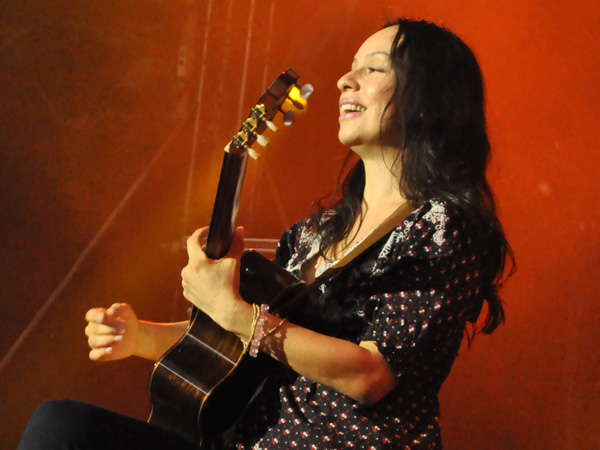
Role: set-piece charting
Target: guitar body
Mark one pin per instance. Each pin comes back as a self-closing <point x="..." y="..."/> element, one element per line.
<point x="204" y="382"/>
<point x="207" y="380"/>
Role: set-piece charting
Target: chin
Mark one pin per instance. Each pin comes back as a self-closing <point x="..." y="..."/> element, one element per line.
<point x="348" y="139"/>
<point x="357" y="144"/>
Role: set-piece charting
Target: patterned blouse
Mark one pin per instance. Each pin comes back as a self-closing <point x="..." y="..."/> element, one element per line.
<point x="411" y="294"/>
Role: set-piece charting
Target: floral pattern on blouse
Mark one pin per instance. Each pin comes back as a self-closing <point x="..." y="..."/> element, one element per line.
<point x="411" y="294"/>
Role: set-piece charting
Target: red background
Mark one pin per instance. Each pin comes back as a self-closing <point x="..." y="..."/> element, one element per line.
<point x="105" y="104"/>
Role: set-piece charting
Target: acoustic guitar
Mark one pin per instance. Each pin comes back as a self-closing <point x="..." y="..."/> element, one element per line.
<point x="203" y="383"/>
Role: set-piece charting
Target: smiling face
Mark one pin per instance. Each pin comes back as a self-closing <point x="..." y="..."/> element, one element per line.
<point x="366" y="90"/>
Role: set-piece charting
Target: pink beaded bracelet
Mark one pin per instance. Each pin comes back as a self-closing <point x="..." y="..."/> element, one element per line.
<point x="259" y="330"/>
<point x="256" y="314"/>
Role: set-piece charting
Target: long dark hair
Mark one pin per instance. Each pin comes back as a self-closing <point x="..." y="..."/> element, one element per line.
<point x="438" y="121"/>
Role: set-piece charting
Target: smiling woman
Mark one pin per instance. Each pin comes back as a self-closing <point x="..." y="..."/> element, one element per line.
<point x="366" y="92"/>
<point x="362" y="364"/>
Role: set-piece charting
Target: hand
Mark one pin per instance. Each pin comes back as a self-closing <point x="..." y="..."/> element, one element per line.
<point x="213" y="285"/>
<point x="112" y="333"/>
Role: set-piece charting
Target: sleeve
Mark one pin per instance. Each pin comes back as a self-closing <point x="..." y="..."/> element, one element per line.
<point x="427" y="282"/>
<point x="285" y="247"/>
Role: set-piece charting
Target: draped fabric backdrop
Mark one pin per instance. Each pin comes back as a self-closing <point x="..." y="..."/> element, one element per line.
<point x="113" y="119"/>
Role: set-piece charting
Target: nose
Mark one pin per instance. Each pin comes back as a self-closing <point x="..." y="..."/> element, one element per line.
<point x="347" y="82"/>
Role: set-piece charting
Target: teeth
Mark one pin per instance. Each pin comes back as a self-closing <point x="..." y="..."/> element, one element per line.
<point x="351" y="107"/>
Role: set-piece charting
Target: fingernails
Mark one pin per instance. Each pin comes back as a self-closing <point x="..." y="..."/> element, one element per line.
<point x="121" y="329"/>
<point x="117" y="338"/>
<point x="108" y="350"/>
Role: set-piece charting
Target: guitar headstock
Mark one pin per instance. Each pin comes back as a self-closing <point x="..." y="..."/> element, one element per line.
<point x="283" y="97"/>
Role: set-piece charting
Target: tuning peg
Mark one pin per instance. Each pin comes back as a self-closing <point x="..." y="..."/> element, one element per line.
<point x="271" y="126"/>
<point x="253" y="153"/>
<point x="306" y="91"/>
<point x="289" y="117"/>
<point x="262" y="140"/>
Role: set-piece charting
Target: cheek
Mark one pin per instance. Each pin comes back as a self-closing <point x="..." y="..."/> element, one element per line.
<point x="388" y="93"/>
<point x="387" y="111"/>
<point x="391" y="128"/>
<point x="381" y="96"/>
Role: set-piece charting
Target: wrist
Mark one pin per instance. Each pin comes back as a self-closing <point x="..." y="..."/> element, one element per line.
<point x="239" y="321"/>
<point x="152" y="339"/>
<point x="143" y="340"/>
<point x="261" y="326"/>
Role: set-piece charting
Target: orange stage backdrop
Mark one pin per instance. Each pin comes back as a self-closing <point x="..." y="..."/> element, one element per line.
<point x="113" y="119"/>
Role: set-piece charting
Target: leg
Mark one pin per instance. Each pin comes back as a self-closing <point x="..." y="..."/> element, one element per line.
<point x="71" y="425"/>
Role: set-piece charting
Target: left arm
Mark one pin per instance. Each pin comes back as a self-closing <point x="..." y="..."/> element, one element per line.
<point x="358" y="371"/>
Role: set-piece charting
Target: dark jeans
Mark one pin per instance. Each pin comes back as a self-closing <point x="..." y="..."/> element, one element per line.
<point x="71" y="425"/>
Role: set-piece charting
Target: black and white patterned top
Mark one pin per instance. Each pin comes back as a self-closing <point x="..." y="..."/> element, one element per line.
<point x="411" y="294"/>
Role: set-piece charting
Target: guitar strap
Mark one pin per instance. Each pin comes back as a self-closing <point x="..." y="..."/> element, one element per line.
<point x="381" y="230"/>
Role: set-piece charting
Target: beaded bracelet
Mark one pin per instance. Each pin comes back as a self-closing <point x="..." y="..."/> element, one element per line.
<point x="259" y="330"/>
<point x="255" y="316"/>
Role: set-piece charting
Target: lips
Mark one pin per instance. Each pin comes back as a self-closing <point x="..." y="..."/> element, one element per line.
<point x="350" y="108"/>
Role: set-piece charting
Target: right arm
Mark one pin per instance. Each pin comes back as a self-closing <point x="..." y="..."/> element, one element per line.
<point x="117" y="333"/>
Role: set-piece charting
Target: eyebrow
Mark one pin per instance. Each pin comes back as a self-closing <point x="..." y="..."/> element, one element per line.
<point x="368" y="55"/>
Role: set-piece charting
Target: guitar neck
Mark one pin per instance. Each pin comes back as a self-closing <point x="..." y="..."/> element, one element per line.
<point x="194" y="390"/>
<point x="222" y="224"/>
<point x="276" y="99"/>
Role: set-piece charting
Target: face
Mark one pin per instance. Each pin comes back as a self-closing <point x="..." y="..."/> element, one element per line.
<point x="365" y="92"/>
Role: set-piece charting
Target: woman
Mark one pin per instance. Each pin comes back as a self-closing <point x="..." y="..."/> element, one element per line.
<point x="381" y="337"/>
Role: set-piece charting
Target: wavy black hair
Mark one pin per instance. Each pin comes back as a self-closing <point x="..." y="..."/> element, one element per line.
<point x="438" y="122"/>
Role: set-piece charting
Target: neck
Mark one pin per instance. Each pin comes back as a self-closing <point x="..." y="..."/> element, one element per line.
<point x="381" y="191"/>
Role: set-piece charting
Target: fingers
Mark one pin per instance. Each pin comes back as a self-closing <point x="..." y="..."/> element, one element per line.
<point x="193" y="243"/>
<point x="104" y="340"/>
<point x="116" y="309"/>
<point x="93" y="328"/>
<point x="95" y="315"/>
<point x="195" y="249"/>
<point x="104" y="330"/>
<point x="197" y="255"/>
<point x="101" y="354"/>
<point x="105" y="321"/>
<point x="202" y="234"/>
<point x="101" y="344"/>
<point x="112" y="332"/>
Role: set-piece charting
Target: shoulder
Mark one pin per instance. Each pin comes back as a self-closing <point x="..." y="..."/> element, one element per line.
<point x="298" y="234"/>
<point x="296" y="243"/>
<point x="436" y="228"/>
<point x="437" y="222"/>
